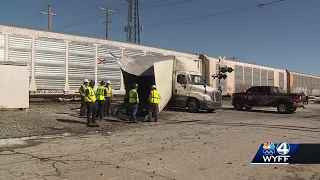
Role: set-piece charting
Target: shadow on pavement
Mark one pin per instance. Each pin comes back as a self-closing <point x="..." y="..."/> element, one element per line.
<point x="297" y="128"/>
<point x="253" y="110"/>
<point x="71" y="121"/>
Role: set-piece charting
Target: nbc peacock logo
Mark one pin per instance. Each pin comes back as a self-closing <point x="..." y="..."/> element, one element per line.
<point x="268" y="148"/>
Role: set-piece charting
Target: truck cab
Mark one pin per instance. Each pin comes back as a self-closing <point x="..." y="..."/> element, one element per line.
<point x="190" y="90"/>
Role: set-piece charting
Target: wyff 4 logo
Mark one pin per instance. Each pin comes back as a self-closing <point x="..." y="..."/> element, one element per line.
<point x="282" y="149"/>
<point x="271" y="153"/>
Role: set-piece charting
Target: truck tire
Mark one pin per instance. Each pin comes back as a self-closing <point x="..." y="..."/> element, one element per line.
<point x="238" y="107"/>
<point x="248" y="108"/>
<point x="292" y="110"/>
<point x="282" y="108"/>
<point x="193" y="105"/>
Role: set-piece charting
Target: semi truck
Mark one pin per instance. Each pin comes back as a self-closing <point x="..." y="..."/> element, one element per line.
<point x="178" y="79"/>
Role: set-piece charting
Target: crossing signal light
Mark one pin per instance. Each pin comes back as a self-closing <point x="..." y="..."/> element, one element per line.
<point x="229" y="69"/>
<point x="226" y="69"/>
<point x="221" y="76"/>
<point x="223" y="70"/>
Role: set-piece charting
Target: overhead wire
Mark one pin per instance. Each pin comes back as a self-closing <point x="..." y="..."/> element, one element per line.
<point x="207" y="16"/>
<point x="149" y="5"/>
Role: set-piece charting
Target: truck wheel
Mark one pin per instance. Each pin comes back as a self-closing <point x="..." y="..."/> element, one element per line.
<point x="248" y="108"/>
<point x="193" y="105"/>
<point x="293" y="109"/>
<point x="282" y="108"/>
<point x="238" y="107"/>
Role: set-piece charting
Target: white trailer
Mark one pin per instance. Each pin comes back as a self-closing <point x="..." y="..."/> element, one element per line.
<point x="179" y="81"/>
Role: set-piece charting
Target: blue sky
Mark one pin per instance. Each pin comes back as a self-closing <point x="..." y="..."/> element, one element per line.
<point x="283" y="35"/>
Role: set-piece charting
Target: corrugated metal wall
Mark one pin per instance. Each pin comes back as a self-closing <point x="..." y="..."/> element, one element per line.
<point x="109" y="70"/>
<point x="20" y="50"/>
<point x="281" y="80"/>
<point x="248" y="76"/>
<point x="270" y="78"/>
<point x="81" y="63"/>
<point x="256" y="77"/>
<point x="238" y="70"/>
<point x="2" y="46"/>
<point x="264" y="77"/>
<point x="50" y="63"/>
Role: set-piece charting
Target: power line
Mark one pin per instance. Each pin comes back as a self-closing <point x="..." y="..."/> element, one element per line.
<point x="210" y="16"/>
<point x="49" y="13"/>
<point x="107" y="17"/>
<point x="119" y="11"/>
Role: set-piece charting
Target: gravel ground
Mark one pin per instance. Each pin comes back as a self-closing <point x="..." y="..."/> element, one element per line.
<point x="180" y="145"/>
<point x="51" y="118"/>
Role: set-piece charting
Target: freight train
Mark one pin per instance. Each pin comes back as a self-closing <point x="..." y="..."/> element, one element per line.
<point x="59" y="62"/>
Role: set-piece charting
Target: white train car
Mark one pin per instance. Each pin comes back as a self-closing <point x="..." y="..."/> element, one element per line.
<point x="58" y="62"/>
<point x="246" y="75"/>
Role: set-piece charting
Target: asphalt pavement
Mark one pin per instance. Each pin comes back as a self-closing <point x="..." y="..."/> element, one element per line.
<point x="182" y="145"/>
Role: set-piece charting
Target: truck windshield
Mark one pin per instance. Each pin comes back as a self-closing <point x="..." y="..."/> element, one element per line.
<point x="196" y="80"/>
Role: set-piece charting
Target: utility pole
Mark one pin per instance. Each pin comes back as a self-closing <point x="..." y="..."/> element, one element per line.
<point x="107" y="17"/>
<point x="49" y="15"/>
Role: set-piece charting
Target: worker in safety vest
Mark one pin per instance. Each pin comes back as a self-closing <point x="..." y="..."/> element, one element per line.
<point x="109" y="98"/>
<point x="133" y="101"/>
<point x="82" y="90"/>
<point x="154" y="98"/>
<point x="90" y="99"/>
<point x="100" y="95"/>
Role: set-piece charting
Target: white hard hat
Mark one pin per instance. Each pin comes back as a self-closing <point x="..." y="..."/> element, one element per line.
<point x="86" y="80"/>
<point x="108" y="82"/>
<point x="153" y="86"/>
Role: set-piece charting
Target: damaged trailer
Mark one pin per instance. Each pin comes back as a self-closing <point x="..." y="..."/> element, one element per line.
<point x="178" y="79"/>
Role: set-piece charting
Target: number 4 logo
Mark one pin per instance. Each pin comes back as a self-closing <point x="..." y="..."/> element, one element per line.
<point x="283" y="148"/>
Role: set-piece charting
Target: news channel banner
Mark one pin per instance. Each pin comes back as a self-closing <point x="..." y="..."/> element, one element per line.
<point x="285" y="153"/>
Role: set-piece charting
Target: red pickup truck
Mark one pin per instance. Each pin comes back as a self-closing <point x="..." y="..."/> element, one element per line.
<point x="268" y="96"/>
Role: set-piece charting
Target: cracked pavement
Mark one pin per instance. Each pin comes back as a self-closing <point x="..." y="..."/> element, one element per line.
<point x="181" y="145"/>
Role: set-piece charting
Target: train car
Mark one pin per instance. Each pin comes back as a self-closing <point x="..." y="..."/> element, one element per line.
<point x="244" y="76"/>
<point x="298" y="83"/>
<point x="59" y="62"/>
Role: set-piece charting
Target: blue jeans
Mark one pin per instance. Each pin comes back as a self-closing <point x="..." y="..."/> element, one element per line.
<point x="134" y="109"/>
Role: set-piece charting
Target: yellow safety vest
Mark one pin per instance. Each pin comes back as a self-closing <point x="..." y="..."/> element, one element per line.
<point x="109" y="91"/>
<point x="132" y="97"/>
<point x="83" y="88"/>
<point x="100" y="93"/>
<point x="155" y="97"/>
<point x="91" y="94"/>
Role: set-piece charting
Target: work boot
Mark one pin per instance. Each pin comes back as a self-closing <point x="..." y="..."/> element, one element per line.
<point x="89" y="124"/>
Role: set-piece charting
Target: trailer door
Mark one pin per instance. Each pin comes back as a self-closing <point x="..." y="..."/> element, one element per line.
<point x="163" y="77"/>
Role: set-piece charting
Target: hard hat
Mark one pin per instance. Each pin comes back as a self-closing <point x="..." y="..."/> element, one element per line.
<point x="153" y="86"/>
<point x="108" y="82"/>
<point x="85" y="80"/>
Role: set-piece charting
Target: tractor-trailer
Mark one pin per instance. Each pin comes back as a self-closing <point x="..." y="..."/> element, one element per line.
<point x="178" y="79"/>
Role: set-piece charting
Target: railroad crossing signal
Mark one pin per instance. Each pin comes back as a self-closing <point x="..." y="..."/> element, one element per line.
<point x="221" y="74"/>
